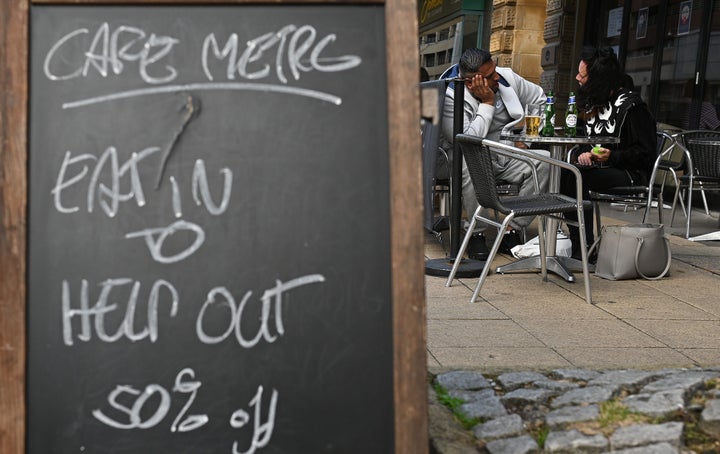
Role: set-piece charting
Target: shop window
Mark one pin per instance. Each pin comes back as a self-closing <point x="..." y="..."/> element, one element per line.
<point x="640" y="51"/>
<point x="679" y="63"/>
<point x="710" y="107"/>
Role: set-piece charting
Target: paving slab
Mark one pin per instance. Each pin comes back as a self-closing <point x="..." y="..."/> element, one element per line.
<point x="496" y="359"/>
<point x="682" y="333"/>
<point x="604" y="333"/>
<point x="624" y="357"/>
<point x="520" y="321"/>
<point x="663" y="307"/>
<point x="478" y="333"/>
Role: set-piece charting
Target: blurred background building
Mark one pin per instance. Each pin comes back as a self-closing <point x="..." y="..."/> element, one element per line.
<point x="671" y="48"/>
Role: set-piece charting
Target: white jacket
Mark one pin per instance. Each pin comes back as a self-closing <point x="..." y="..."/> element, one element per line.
<point x="478" y="116"/>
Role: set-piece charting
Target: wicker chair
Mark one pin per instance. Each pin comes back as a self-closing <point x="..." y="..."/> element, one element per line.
<point x="433" y="94"/>
<point x="477" y="153"/>
<point x="702" y="150"/>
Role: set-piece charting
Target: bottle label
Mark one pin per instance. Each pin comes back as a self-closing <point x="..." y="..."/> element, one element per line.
<point x="571" y="120"/>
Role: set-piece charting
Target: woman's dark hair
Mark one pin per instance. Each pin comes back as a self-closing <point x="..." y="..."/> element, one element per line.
<point x="605" y="76"/>
<point x="628" y="82"/>
<point x="472" y="59"/>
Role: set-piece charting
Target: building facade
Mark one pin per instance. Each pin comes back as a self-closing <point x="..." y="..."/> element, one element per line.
<point x="671" y="48"/>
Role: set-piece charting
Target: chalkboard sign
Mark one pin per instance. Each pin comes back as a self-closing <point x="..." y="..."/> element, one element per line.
<point x="209" y="236"/>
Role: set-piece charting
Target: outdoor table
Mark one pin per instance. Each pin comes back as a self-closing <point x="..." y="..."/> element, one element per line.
<point x="712" y="236"/>
<point x="557" y="146"/>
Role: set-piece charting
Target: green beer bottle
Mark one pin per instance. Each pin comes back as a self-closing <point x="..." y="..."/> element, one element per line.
<point x="571" y="117"/>
<point x="548" y="129"/>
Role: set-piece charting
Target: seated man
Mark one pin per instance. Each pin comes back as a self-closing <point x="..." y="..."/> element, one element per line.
<point x="495" y="100"/>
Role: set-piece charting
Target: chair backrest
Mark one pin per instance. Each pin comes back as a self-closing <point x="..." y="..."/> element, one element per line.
<point x="430" y="123"/>
<point x="664" y="141"/>
<point x="704" y="148"/>
<point x="668" y="157"/>
<point x="479" y="162"/>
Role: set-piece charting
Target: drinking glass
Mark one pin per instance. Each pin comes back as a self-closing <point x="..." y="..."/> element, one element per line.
<point x="532" y="119"/>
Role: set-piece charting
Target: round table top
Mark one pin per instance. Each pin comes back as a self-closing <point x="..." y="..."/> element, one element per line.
<point x="560" y="139"/>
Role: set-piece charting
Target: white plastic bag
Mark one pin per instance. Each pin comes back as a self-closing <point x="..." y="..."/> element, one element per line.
<point x="532" y="247"/>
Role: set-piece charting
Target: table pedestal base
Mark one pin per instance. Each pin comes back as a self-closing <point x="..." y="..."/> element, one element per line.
<point x="557" y="264"/>
<point x="442" y="267"/>
<point x="712" y="236"/>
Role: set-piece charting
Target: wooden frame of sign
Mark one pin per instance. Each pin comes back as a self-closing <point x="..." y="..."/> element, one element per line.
<point x="409" y="388"/>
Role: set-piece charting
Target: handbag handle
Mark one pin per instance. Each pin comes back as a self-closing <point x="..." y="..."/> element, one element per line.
<point x="637" y="257"/>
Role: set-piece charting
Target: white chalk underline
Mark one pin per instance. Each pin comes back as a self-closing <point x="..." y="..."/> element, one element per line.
<point x="206" y="86"/>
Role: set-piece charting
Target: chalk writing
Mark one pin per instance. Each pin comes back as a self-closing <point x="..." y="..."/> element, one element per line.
<point x="261" y="432"/>
<point x="133" y="413"/>
<point x="271" y="306"/>
<point x="225" y="86"/>
<point x="138" y="416"/>
<point x="113" y="194"/>
<point x="111" y="182"/>
<point x="201" y="191"/>
<point x="102" y="306"/>
<point x="221" y="295"/>
<point x="155" y="238"/>
<point x="108" y="50"/>
<point x="110" y="196"/>
<point x="293" y="49"/>
<point x="191" y="422"/>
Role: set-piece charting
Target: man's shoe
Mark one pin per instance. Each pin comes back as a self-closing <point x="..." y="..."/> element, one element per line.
<point x="476" y="248"/>
<point x="511" y="238"/>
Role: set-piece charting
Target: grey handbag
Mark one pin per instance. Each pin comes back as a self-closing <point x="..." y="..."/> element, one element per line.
<point x="632" y="251"/>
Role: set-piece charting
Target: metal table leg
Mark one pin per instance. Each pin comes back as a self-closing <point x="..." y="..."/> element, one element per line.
<point x="555" y="264"/>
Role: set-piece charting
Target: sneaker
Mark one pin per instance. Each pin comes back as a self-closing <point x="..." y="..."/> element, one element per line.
<point x="509" y="241"/>
<point x="476" y="248"/>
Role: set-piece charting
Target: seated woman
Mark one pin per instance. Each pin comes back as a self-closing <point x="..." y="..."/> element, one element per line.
<point x="610" y="109"/>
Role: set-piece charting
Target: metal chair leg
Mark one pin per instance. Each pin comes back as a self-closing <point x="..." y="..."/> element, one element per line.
<point x="705" y="204"/>
<point x="584" y="256"/>
<point x="463" y="247"/>
<point x="491" y="256"/>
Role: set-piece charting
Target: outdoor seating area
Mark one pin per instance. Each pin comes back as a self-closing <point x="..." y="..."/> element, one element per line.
<point x="521" y="321"/>
<point x="533" y="319"/>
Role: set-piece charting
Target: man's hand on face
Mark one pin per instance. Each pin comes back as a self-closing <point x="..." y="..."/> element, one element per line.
<point x="479" y="86"/>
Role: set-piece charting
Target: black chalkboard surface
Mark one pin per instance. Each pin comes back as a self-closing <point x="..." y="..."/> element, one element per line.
<point x="208" y="232"/>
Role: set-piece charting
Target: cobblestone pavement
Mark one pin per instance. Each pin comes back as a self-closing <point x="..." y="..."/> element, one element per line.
<point x="577" y="411"/>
